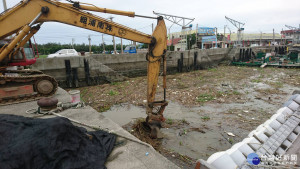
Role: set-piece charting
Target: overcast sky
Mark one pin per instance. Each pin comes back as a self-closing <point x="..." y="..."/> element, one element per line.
<point x="258" y="15"/>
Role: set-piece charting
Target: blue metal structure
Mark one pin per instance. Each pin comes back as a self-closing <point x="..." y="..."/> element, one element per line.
<point x="211" y="39"/>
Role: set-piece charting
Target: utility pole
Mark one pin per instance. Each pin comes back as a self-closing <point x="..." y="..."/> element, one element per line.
<point x="103" y="43"/>
<point x="177" y="20"/>
<point x="115" y="51"/>
<point x="260" y="38"/>
<point x="73" y="40"/>
<point x="273" y="36"/>
<point x="224" y="37"/>
<point x="90" y="48"/>
<point x="216" y="36"/>
<point x="183" y="33"/>
<point x="152" y="27"/>
<point x="281" y="36"/>
<point x="121" y="46"/>
<point x="4" y="5"/>
<point x="197" y="36"/>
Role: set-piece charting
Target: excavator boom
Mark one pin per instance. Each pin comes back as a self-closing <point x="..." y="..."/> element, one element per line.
<point x="11" y="22"/>
<point x="21" y="20"/>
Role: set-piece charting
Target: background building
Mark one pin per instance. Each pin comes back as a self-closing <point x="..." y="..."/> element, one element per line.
<point x="292" y="36"/>
<point x="207" y="37"/>
<point x="255" y="39"/>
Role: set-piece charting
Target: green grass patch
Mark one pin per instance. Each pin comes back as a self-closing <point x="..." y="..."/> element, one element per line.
<point x="205" y="118"/>
<point x="181" y="85"/>
<point x="236" y="92"/>
<point x="115" y="83"/>
<point x="220" y="93"/>
<point x="276" y="85"/>
<point x="230" y="140"/>
<point x="255" y="80"/>
<point x="212" y="69"/>
<point x="205" y="97"/>
<point x="103" y="108"/>
<point x="169" y="121"/>
<point x="43" y="56"/>
<point x="113" y="93"/>
<point x="184" y="121"/>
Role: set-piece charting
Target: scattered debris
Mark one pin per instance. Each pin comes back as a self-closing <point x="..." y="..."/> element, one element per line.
<point x="197" y="129"/>
<point x="230" y="134"/>
<point x="207" y="102"/>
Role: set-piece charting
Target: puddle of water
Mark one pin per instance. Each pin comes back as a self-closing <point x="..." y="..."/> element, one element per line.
<point x="124" y="113"/>
<point x="195" y="144"/>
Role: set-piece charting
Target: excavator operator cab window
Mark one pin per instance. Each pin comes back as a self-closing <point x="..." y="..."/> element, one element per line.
<point x="19" y="55"/>
<point x="29" y="53"/>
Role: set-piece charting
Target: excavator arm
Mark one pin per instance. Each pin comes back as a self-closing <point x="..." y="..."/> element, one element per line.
<point x="21" y="20"/>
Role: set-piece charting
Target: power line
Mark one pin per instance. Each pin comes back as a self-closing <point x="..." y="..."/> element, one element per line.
<point x="145" y="27"/>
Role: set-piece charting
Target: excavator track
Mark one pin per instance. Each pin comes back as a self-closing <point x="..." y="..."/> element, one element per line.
<point x="19" y="86"/>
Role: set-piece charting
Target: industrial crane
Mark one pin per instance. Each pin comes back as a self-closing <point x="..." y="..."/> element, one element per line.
<point x="176" y="20"/>
<point x="25" y="19"/>
<point x="291" y="27"/>
<point x="239" y="26"/>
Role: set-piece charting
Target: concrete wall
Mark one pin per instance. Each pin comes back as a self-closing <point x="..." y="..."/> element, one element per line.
<point x="111" y="68"/>
<point x="235" y="52"/>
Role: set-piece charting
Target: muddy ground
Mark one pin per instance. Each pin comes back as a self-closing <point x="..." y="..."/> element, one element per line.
<point x="204" y="106"/>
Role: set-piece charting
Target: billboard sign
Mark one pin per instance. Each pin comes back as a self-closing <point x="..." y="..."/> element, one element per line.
<point x="206" y="31"/>
<point x="209" y="39"/>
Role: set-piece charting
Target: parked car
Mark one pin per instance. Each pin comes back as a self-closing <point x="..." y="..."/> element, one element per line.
<point x="130" y="49"/>
<point x="112" y="52"/>
<point x="64" y="53"/>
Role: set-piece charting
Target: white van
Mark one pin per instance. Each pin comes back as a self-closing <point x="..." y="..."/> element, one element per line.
<point x="64" y="53"/>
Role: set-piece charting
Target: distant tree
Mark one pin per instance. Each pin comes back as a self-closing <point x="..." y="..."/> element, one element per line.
<point x="144" y="45"/>
<point x="49" y="48"/>
<point x="191" y="39"/>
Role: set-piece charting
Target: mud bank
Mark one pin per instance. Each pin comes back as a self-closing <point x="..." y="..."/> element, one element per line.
<point x="209" y="110"/>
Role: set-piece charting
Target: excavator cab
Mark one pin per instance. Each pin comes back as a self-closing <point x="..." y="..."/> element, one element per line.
<point x="22" y="56"/>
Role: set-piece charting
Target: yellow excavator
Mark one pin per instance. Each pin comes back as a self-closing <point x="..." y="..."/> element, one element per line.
<point x="24" y="19"/>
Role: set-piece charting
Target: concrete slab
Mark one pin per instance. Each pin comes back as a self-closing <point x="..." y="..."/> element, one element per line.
<point x="295" y="148"/>
<point x="130" y="155"/>
<point x="21" y="108"/>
